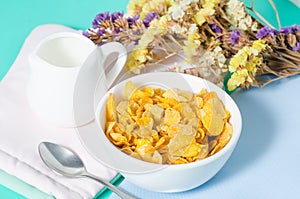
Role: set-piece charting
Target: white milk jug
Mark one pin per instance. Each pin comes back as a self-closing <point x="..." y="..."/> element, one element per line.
<point x="67" y="77"/>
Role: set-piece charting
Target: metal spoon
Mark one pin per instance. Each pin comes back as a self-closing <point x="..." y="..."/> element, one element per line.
<point x="67" y="163"/>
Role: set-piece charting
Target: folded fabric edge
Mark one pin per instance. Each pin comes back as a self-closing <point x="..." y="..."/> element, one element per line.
<point x="105" y="192"/>
<point x="22" y="188"/>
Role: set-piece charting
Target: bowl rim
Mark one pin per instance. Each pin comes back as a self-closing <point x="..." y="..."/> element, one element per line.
<point x="230" y="145"/>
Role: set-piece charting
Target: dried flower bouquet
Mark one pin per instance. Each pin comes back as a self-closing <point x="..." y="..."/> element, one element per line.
<point x="218" y="39"/>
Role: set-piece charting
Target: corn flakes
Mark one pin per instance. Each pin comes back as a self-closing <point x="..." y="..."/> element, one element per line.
<point x="167" y="126"/>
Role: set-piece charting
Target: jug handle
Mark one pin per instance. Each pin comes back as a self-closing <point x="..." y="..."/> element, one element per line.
<point x="109" y="48"/>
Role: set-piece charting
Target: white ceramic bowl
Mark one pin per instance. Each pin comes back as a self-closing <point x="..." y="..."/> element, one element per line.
<point x="164" y="178"/>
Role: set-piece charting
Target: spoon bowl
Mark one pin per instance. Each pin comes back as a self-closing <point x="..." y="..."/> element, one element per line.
<point x="61" y="159"/>
<point x="67" y="163"/>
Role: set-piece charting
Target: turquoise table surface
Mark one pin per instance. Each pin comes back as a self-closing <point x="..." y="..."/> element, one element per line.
<point x="7" y="193"/>
<point x="18" y="18"/>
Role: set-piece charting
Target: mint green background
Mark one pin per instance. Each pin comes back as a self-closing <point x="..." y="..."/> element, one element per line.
<point x="19" y="17"/>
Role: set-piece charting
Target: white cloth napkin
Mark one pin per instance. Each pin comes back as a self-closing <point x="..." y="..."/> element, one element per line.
<point x="21" y="131"/>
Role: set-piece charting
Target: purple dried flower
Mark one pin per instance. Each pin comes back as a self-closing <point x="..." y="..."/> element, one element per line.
<point x="95" y="24"/>
<point x="266" y="31"/>
<point x="296" y="28"/>
<point x="116" y="15"/>
<point x="286" y="30"/>
<point x="274" y="32"/>
<point x="99" y="18"/>
<point x="263" y="32"/>
<point x="133" y="19"/>
<point x="116" y="30"/>
<point x="149" y="17"/>
<point x="102" y="16"/>
<point x="86" y="33"/>
<point x="215" y="28"/>
<point x="101" y="32"/>
<point x="234" y="36"/>
<point x="296" y="47"/>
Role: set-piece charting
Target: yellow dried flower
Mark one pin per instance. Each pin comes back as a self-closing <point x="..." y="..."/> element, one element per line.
<point x="201" y="15"/>
<point x="136" y="60"/>
<point x="206" y="11"/>
<point x="134" y="7"/>
<point x="146" y="38"/>
<point x="239" y="59"/>
<point x="252" y="65"/>
<point x="210" y="3"/>
<point x="160" y="26"/>
<point x="199" y="18"/>
<point x="139" y="54"/>
<point x="237" y="78"/>
<point x="155" y="6"/>
<point x="191" y="44"/>
<point x="244" y="64"/>
<point x="259" y="45"/>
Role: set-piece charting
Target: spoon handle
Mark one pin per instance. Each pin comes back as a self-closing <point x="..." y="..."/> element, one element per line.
<point x="116" y="190"/>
